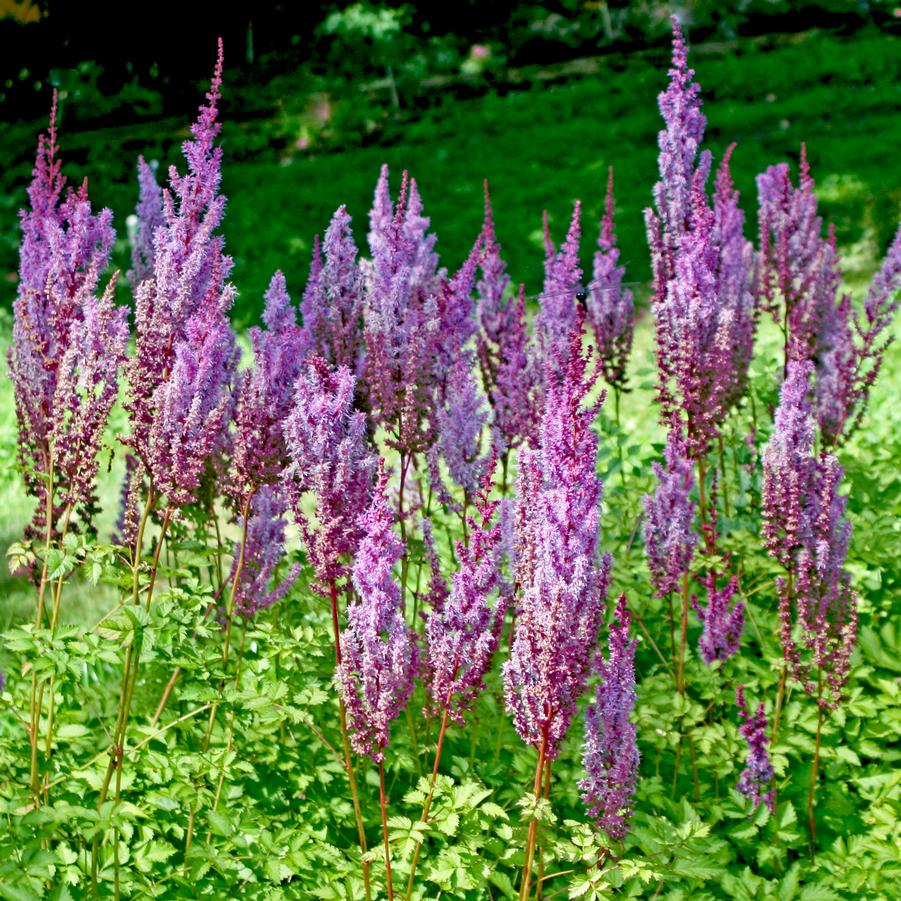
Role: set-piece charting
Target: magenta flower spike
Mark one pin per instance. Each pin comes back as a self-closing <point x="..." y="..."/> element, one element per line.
<point x="263" y="551"/>
<point x="86" y="389"/>
<point x="670" y="537"/>
<point x="703" y="305"/>
<point x="332" y="306"/>
<point x="611" y="309"/>
<point x="723" y="621"/>
<point x="460" y="423"/>
<point x="149" y="215"/>
<point x="187" y="284"/>
<point x="558" y="308"/>
<point x="379" y="657"/>
<point x="610" y="753"/>
<point x="504" y="351"/>
<point x="462" y="636"/>
<point x="805" y="529"/>
<point x="64" y="249"/>
<point x="330" y="459"/>
<point x="561" y="579"/>
<point x="265" y="395"/>
<point x="756" y="779"/>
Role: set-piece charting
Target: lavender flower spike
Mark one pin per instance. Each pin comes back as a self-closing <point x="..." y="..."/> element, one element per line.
<point x="723" y="624"/>
<point x="610" y="753"/>
<point x="65" y="248"/>
<point x="149" y="216"/>
<point x="557" y="315"/>
<point x="670" y="538"/>
<point x="263" y="552"/>
<point x="755" y="781"/>
<point x="611" y="310"/>
<point x="462" y="636"/>
<point x="564" y="582"/>
<point x="332" y="306"/>
<point x="379" y="657"/>
<point x="326" y="442"/>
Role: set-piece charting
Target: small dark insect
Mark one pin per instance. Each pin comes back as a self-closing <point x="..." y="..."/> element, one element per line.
<point x="582" y="297"/>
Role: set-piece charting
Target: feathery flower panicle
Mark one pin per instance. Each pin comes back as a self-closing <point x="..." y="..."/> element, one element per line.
<point x="192" y="408"/>
<point x="265" y="394"/>
<point x="189" y="275"/>
<point x="755" y="781"/>
<point x="86" y="389"/>
<point x="805" y="529"/>
<point x="401" y="316"/>
<point x="379" y="657"/>
<point x="330" y="459"/>
<point x="459" y="425"/>
<point x="723" y="621"/>
<point x="263" y="552"/>
<point x="561" y="578"/>
<point x="64" y="249"/>
<point x="332" y="306"/>
<point x="670" y="538"/>
<point x="856" y="346"/>
<point x="610" y="753"/>
<point x="149" y="216"/>
<point x="703" y="306"/>
<point x="505" y="355"/>
<point x="611" y="310"/>
<point x="789" y="468"/>
<point x="558" y="312"/>
<point x="462" y="637"/>
<point x="437" y="593"/>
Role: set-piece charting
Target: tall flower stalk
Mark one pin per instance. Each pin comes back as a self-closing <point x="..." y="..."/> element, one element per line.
<point x="378" y="657"/>
<point x="562" y="579"/>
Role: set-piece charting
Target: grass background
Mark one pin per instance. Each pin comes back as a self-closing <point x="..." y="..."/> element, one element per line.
<point x="541" y="147"/>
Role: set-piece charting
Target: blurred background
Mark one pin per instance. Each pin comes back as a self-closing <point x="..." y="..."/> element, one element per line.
<point x="540" y="98"/>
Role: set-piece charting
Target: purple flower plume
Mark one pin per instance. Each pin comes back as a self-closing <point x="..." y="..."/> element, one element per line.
<point x="180" y="322"/>
<point x="86" y="389"/>
<point x="703" y="304"/>
<point x="379" y="657"/>
<point x="64" y="249"/>
<point x="263" y="552"/>
<point x="799" y="283"/>
<point x="670" y="538"/>
<point x="265" y="394"/>
<point x="723" y="621"/>
<point x="149" y="215"/>
<point x="805" y="529"/>
<point x="460" y="423"/>
<point x="610" y="753"/>
<point x="462" y="636"/>
<point x="558" y="309"/>
<point x="332" y="306"/>
<point x="611" y="310"/>
<point x="330" y="459"/>
<point x="562" y="582"/>
<point x="755" y="781"/>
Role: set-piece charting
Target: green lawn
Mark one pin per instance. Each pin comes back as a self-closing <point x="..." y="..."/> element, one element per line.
<point x="544" y="147"/>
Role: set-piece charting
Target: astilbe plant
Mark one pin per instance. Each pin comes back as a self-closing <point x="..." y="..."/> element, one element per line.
<point x="505" y="354"/>
<point x="723" y="620"/>
<point x="332" y="305"/>
<point x="64" y="249"/>
<point x="756" y="779"/>
<point x="703" y="304"/>
<point x="257" y="558"/>
<point x="610" y="752"/>
<point x="558" y="312"/>
<point x="561" y="579"/>
<point x="610" y="306"/>
<point x="184" y="360"/>
<point x="379" y="658"/>
<point x="800" y="281"/>
<point x="148" y="217"/>
<point x="265" y="395"/>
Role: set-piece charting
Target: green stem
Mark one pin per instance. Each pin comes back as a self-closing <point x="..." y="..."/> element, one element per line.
<point x="811" y="795"/>
<point x="384" y="808"/>
<point x="525" y="888"/>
